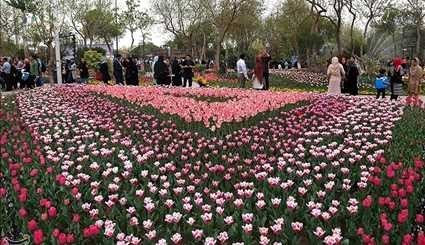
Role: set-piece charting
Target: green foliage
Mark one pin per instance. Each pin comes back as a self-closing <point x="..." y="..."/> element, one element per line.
<point x="92" y="57"/>
<point x="81" y="52"/>
<point x="408" y="136"/>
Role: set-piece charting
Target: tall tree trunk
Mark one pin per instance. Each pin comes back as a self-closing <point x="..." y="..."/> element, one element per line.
<point x="352" y="34"/>
<point x="204" y="46"/>
<point x="217" y="56"/>
<point x="365" y="35"/>
<point x="52" y="61"/>
<point x="395" y="44"/>
<point x="338" y="37"/>
<point x="143" y="45"/>
<point x="132" y="40"/>
<point x="418" y="38"/>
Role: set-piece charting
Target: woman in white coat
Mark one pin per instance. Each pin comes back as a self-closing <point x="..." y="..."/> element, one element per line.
<point x="335" y="74"/>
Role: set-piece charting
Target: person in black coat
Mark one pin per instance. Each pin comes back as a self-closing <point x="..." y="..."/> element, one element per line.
<point x="176" y="69"/>
<point x="118" y="71"/>
<point x="132" y="72"/>
<point x="103" y="68"/>
<point x="352" y="77"/>
<point x="161" y="72"/>
<point x="188" y="66"/>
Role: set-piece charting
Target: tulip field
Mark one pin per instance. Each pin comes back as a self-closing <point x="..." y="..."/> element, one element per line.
<point x="148" y="165"/>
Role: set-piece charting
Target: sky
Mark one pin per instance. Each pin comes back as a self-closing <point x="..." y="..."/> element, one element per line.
<point x="158" y="35"/>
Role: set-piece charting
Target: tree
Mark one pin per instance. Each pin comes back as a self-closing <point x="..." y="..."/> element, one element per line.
<point x="372" y="9"/>
<point x="25" y="6"/>
<point x="223" y="13"/>
<point x="389" y="24"/>
<point x="352" y="9"/>
<point x="133" y="19"/>
<point x="416" y="10"/>
<point x="77" y="10"/>
<point x="180" y="17"/>
<point x="335" y="15"/>
<point x="99" y="24"/>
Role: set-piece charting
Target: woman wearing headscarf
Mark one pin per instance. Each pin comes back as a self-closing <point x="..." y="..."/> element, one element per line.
<point x="161" y="73"/>
<point x="335" y="74"/>
<point x="415" y="77"/>
<point x="104" y="70"/>
<point x="397" y="79"/>
<point x="177" y="72"/>
<point x="352" y="76"/>
<point x="132" y="72"/>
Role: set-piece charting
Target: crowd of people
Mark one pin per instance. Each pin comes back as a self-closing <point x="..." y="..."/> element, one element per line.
<point x="343" y="77"/>
<point x="21" y="73"/>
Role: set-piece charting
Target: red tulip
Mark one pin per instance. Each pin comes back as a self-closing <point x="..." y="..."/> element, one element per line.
<point x="421" y="238"/>
<point x="22" y="212"/>
<point x="403" y="216"/>
<point x="385" y="239"/>
<point x="76" y="218"/>
<point x="404" y="203"/>
<point x="62" y="238"/>
<point x="32" y="225"/>
<point x="55" y="232"/>
<point x="3" y="192"/>
<point x="52" y="212"/>
<point x="367" y="202"/>
<point x="419" y="218"/>
<point x="70" y="238"/>
<point x="38" y="237"/>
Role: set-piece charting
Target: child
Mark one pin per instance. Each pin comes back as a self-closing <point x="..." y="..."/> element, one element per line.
<point x="381" y="83"/>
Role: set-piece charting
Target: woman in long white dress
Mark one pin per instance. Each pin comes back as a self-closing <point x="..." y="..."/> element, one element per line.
<point x="335" y="74"/>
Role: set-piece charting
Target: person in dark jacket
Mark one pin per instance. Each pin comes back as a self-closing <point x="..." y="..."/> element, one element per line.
<point x="84" y="71"/>
<point x="352" y="75"/>
<point x="161" y="72"/>
<point x="188" y="66"/>
<point x="266" y="73"/>
<point x="103" y="68"/>
<point x="131" y="72"/>
<point x="176" y="69"/>
<point x="118" y="71"/>
<point x="397" y="79"/>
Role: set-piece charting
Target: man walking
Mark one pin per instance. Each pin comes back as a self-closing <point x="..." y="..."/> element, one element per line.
<point x="242" y="71"/>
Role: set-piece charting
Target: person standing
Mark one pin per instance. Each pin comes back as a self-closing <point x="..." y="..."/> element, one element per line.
<point x="103" y="69"/>
<point x="118" y="71"/>
<point x="84" y="71"/>
<point x="344" y="85"/>
<point x="176" y="70"/>
<point x="381" y="84"/>
<point x="351" y="78"/>
<point x="188" y="66"/>
<point x="242" y="70"/>
<point x="161" y="72"/>
<point x="335" y="74"/>
<point x="266" y="73"/>
<point x="132" y="72"/>
<point x="34" y="71"/>
<point x="415" y="78"/>
<point x="397" y="79"/>
<point x="7" y="76"/>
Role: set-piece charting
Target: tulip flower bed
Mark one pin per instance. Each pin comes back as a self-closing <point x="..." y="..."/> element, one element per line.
<point x="81" y="168"/>
<point x="213" y="106"/>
